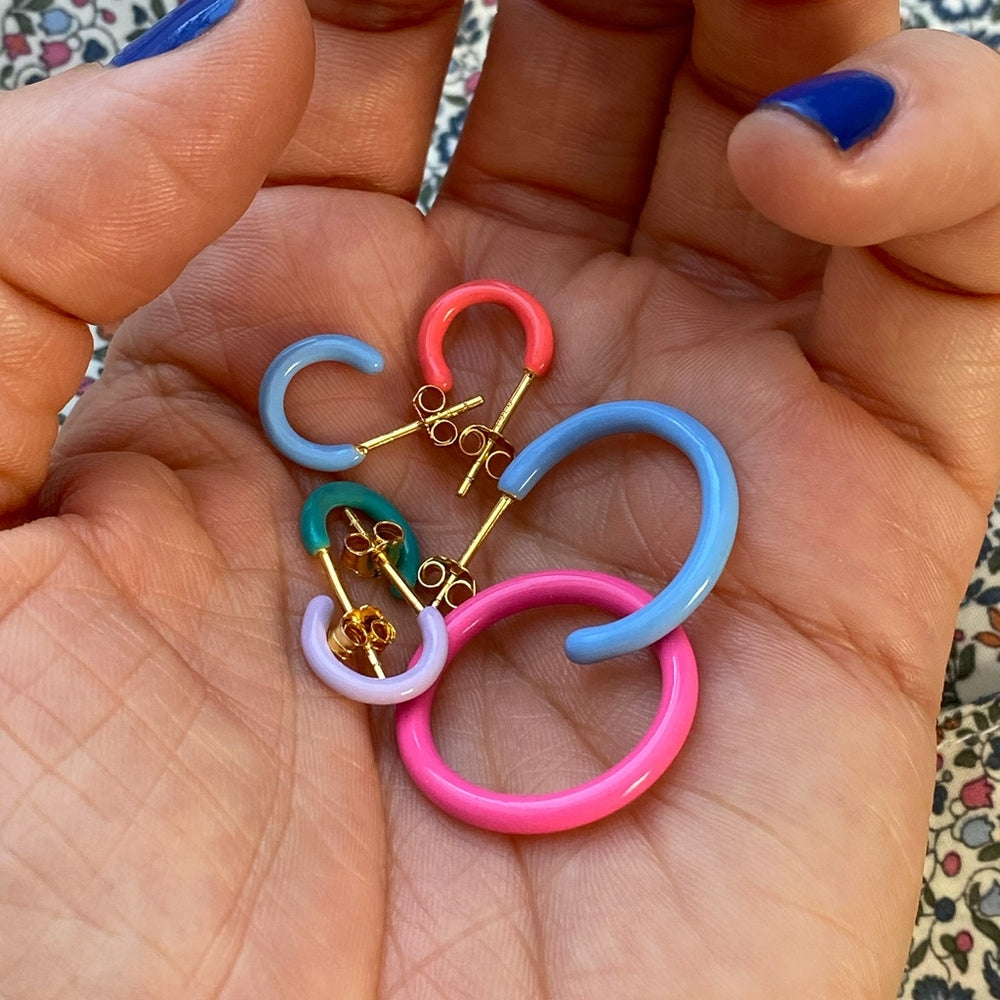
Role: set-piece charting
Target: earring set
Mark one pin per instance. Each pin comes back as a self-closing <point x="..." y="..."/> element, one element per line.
<point x="343" y="649"/>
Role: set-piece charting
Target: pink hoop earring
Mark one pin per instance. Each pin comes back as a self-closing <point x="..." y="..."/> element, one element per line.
<point x="584" y="803"/>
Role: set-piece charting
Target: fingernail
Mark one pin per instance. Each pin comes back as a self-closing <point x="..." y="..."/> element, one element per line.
<point x="849" y="105"/>
<point x="183" y="24"/>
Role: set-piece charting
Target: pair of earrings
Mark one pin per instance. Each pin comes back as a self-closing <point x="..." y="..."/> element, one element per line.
<point x="360" y="636"/>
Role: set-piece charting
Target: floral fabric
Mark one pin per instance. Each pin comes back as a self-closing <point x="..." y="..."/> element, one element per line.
<point x="955" y="954"/>
<point x="42" y="37"/>
<point x="974" y="665"/>
<point x="979" y="19"/>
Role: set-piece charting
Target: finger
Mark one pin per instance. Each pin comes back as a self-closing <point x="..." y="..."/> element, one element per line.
<point x="563" y="130"/>
<point x="379" y="72"/>
<point x="181" y="345"/>
<point x="891" y="330"/>
<point x="44" y="358"/>
<point x="110" y="181"/>
<point x="937" y="138"/>
<point x="136" y="168"/>
<point x="744" y="49"/>
<point x="740" y="51"/>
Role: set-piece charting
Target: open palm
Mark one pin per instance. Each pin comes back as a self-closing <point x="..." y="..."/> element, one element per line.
<point x="188" y="812"/>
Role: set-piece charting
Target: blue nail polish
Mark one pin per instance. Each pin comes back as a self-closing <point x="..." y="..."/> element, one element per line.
<point x="849" y="105"/>
<point x="183" y="24"/>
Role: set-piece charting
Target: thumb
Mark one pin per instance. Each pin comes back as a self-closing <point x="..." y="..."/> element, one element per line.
<point x="113" y="178"/>
<point x="898" y="140"/>
<point x="907" y="329"/>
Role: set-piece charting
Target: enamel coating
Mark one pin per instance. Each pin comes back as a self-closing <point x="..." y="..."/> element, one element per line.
<point x="592" y="800"/>
<point x="423" y="671"/>
<point x="716" y="533"/>
<point x="274" y="386"/>
<point x="332" y="496"/>
<point x="439" y="317"/>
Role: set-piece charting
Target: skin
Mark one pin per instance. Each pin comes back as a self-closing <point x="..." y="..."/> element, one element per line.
<point x="184" y="809"/>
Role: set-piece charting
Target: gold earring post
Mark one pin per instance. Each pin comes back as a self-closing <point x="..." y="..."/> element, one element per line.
<point x="458" y="568"/>
<point x="493" y="435"/>
<point x="385" y="566"/>
<point x="422" y="423"/>
<point x="347" y="607"/>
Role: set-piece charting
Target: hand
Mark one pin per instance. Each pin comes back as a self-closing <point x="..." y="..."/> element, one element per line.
<point x="187" y="812"/>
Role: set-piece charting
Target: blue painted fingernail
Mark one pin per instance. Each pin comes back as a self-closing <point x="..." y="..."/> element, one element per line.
<point x="849" y="105"/>
<point x="183" y="24"/>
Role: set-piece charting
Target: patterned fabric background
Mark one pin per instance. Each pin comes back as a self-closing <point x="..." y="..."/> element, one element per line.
<point x="955" y="953"/>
